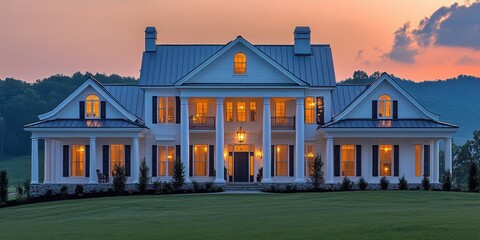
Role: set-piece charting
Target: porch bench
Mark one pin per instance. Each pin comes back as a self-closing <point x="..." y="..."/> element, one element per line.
<point x="102" y="178"/>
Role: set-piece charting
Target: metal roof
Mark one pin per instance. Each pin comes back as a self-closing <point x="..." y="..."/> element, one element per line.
<point x="390" y="123"/>
<point x="343" y="95"/>
<point x="86" y="123"/>
<point x="130" y="96"/>
<point x="171" y="62"/>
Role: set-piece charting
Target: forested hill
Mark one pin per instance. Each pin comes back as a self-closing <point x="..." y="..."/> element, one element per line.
<point x="456" y="100"/>
<point x="21" y="103"/>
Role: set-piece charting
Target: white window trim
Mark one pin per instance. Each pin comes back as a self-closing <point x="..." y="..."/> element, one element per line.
<point x="276" y="161"/>
<point x="354" y="160"/>
<point x="422" y="167"/>
<point x="166" y="163"/>
<point x="207" y="160"/>
<point x="166" y="109"/>
<point x="392" y="170"/>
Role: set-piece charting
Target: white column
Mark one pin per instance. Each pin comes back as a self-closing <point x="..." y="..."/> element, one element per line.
<point x="184" y="137"/>
<point x="267" y="141"/>
<point x="34" y="160"/>
<point x="436" y="162"/>
<point x="329" y="160"/>
<point x="300" y="141"/>
<point x="53" y="162"/>
<point x="135" y="161"/>
<point x="47" y="162"/>
<point x="93" y="162"/>
<point x="448" y="155"/>
<point x="432" y="160"/>
<point x="220" y="142"/>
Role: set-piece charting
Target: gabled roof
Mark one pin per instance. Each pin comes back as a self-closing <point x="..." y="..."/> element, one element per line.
<point x="130" y="96"/>
<point x="343" y="95"/>
<point x="170" y="63"/>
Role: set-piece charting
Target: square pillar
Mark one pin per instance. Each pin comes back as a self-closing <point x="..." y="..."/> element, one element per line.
<point x="47" y="162"/>
<point x="34" y="173"/>
<point x="436" y="162"/>
<point x="300" y="141"/>
<point x="219" y="142"/>
<point x="267" y="142"/>
<point x="184" y="137"/>
<point x="330" y="160"/>
<point x="448" y="155"/>
<point x="135" y="161"/>
<point x="93" y="162"/>
<point x="53" y="162"/>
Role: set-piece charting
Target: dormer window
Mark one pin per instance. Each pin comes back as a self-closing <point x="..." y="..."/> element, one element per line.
<point x="240" y="63"/>
<point x="92" y="106"/>
<point x="384" y="106"/>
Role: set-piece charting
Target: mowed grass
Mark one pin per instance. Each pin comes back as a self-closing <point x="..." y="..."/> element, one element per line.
<point x="335" y="215"/>
<point x="19" y="168"/>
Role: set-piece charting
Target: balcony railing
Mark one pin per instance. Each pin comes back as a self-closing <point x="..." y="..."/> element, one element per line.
<point x="202" y="123"/>
<point x="283" y="123"/>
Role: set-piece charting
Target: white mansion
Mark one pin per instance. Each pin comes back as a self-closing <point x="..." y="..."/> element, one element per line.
<point x="238" y="109"/>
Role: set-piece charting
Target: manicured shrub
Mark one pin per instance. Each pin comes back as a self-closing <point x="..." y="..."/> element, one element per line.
<point x="317" y="179"/>
<point x="290" y="188"/>
<point x="473" y="177"/>
<point x="3" y="186"/>
<point x="119" y="178"/>
<point x="19" y="191"/>
<point x="144" y="176"/>
<point x="259" y="174"/>
<point x="48" y="193"/>
<point x="362" y="184"/>
<point x="384" y="182"/>
<point x="426" y="183"/>
<point x="157" y="185"/>
<point x="79" y="190"/>
<point x="346" y="184"/>
<point x="196" y="186"/>
<point x="64" y="190"/>
<point x="167" y="187"/>
<point x="447" y="181"/>
<point x="26" y="187"/>
<point x="209" y="186"/>
<point x="178" y="175"/>
<point x="402" y="183"/>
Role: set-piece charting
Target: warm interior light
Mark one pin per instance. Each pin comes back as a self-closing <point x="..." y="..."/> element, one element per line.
<point x="241" y="134"/>
<point x="260" y="153"/>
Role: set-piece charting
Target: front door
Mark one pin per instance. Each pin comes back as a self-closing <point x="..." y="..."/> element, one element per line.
<point x="240" y="167"/>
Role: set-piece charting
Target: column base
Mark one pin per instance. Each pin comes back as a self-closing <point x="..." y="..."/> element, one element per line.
<point x="266" y="180"/>
<point x="92" y="182"/>
<point x="300" y="180"/>
<point x="220" y="181"/>
<point x="33" y="182"/>
<point x="188" y="180"/>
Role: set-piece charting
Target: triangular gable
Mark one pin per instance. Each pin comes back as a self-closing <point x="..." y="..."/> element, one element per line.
<point x="372" y="87"/>
<point x="97" y="86"/>
<point x="240" y="40"/>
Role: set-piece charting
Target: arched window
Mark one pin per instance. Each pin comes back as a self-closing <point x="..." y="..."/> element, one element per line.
<point x="384" y="106"/>
<point x="240" y="63"/>
<point x="92" y="106"/>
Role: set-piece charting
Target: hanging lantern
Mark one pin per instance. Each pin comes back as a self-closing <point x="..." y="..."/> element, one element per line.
<point x="241" y="135"/>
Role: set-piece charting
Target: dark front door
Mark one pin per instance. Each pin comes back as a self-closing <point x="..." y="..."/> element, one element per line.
<point x="240" y="167"/>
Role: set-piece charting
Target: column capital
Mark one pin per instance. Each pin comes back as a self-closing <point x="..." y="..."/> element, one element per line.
<point x="135" y="138"/>
<point x="93" y="138"/>
<point x="329" y="138"/>
<point x="266" y="100"/>
<point x="34" y="138"/>
<point x="184" y="100"/>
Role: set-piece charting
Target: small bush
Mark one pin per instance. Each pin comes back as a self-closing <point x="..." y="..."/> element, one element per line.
<point x="402" y="183"/>
<point x="196" y="186"/>
<point x="3" y="186"/>
<point x="290" y="188"/>
<point x="144" y="176"/>
<point x="447" y="181"/>
<point x="48" y="193"/>
<point x="473" y="177"/>
<point x="119" y="178"/>
<point x="64" y="190"/>
<point x="26" y="187"/>
<point x="346" y="184"/>
<point x="362" y="184"/>
<point x="426" y="183"/>
<point x="19" y="191"/>
<point x="317" y="179"/>
<point x="157" y="185"/>
<point x="260" y="174"/>
<point x="209" y="187"/>
<point x="384" y="182"/>
<point x="178" y="175"/>
<point x="79" y="190"/>
<point x="167" y="187"/>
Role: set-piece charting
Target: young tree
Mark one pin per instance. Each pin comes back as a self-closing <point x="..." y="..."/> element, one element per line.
<point x="178" y="174"/>
<point x="144" y="176"/>
<point x="3" y="186"/>
<point x="447" y="181"/>
<point x="119" y="178"/>
<point x="473" y="177"/>
<point x="317" y="179"/>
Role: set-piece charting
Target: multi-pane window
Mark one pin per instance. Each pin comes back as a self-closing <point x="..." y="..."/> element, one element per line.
<point x="166" y="156"/>
<point x="348" y="160"/>
<point x="117" y="156"/>
<point x="201" y="108"/>
<point x="92" y="106"/>
<point x="166" y="109"/>
<point x="280" y="112"/>
<point x="309" y="110"/>
<point x="240" y="63"/>
<point x="200" y="160"/>
<point x="241" y="112"/>
<point x="386" y="152"/>
<point x="78" y="161"/>
<point x="281" y="160"/>
<point x="229" y="112"/>
<point x="309" y="159"/>
<point x="384" y="106"/>
<point x="253" y="111"/>
<point x="418" y="160"/>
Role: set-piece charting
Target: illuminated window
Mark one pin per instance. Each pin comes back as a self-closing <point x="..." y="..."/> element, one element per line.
<point x="241" y="111"/>
<point x="309" y="110"/>
<point x="282" y="160"/>
<point x="418" y="160"/>
<point x="240" y="63"/>
<point x="78" y="161"/>
<point x="230" y="160"/>
<point x="348" y="160"/>
<point x="200" y="156"/>
<point x="166" y="156"/>
<point x="252" y="164"/>
<point x="253" y="111"/>
<point x="309" y="159"/>
<point x="229" y="112"/>
<point x="161" y="110"/>
<point x="386" y="160"/>
<point x="384" y="106"/>
<point x="201" y="112"/>
<point x="92" y="106"/>
<point x="280" y="112"/>
<point x="117" y="156"/>
<point x="170" y="109"/>
<point x="166" y="109"/>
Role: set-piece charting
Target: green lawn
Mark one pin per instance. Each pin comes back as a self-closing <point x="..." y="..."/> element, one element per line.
<point x="337" y="215"/>
<point x="19" y="167"/>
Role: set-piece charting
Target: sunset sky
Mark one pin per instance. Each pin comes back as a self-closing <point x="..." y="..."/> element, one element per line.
<point x="419" y="40"/>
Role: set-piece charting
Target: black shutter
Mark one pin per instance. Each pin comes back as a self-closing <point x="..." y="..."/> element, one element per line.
<point x="336" y="160"/>
<point x="426" y="160"/>
<point x="177" y="152"/>
<point x="320" y="111"/>
<point x="66" y="160"/>
<point x="190" y="161"/>
<point x="374" y="109"/>
<point x="81" y="110"/>
<point x="375" y="160"/>
<point x="211" y="160"/>
<point x="291" y="160"/>
<point x="103" y="109"/>
<point x="106" y="160"/>
<point x="177" y="109"/>
<point x="87" y="161"/>
<point x="358" y="159"/>
<point x="272" y="161"/>
<point x="154" y="161"/>
<point x="396" y="160"/>
<point x="395" y="109"/>
<point x="154" y="109"/>
<point x="128" y="161"/>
